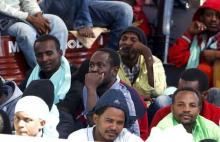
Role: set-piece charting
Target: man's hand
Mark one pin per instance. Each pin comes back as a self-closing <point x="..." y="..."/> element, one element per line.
<point x="141" y="49"/>
<point x="196" y="27"/>
<point x="93" y="80"/>
<point x="41" y="24"/>
<point x="86" y="32"/>
<point x="209" y="55"/>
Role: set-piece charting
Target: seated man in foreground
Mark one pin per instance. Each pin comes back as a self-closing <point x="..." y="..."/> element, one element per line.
<point x="30" y="116"/>
<point x="196" y="80"/>
<point x="54" y="66"/>
<point x="102" y="76"/>
<point x="110" y="116"/>
<point x="186" y="105"/>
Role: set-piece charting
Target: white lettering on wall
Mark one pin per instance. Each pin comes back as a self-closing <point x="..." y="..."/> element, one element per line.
<point x="101" y="40"/>
<point x="13" y="47"/>
<point x="74" y="44"/>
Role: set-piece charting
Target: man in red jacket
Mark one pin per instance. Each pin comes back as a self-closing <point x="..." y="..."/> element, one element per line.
<point x="199" y="46"/>
<point x="195" y="79"/>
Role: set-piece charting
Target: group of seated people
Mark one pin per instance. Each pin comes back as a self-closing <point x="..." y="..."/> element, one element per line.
<point x="113" y="92"/>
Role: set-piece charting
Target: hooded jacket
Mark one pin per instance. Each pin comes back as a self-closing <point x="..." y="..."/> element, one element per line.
<point x="13" y="94"/>
<point x="179" y="53"/>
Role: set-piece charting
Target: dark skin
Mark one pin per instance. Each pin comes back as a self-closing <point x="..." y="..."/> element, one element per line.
<point x="86" y="32"/>
<point x="41" y="24"/>
<point x="192" y="84"/>
<point x="130" y="48"/>
<point x="101" y="76"/>
<point x="209" y="23"/>
<point x="186" y="108"/>
<point x="48" y="57"/>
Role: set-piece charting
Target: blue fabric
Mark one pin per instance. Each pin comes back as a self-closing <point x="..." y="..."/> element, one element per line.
<point x="134" y="127"/>
<point x="26" y="35"/>
<point x="115" y="15"/>
<point x="113" y="98"/>
<point x="75" y="13"/>
<point x="138" y="103"/>
<point x="61" y="79"/>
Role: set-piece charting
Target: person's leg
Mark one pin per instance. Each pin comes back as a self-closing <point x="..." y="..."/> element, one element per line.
<point x="58" y="29"/>
<point x="65" y="9"/>
<point x="115" y="15"/>
<point x="25" y="37"/>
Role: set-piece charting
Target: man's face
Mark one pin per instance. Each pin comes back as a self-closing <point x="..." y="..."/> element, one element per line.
<point x="186" y="107"/>
<point x="211" y="19"/>
<point x="48" y="56"/>
<point x="126" y="46"/>
<point x="27" y="126"/>
<point x="188" y="84"/>
<point x="109" y="124"/>
<point x="100" y="63"/>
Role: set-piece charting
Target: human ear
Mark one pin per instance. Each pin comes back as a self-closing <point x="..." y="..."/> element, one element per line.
<point x="95" y="118"/>
<point x="42" y="123"/>
<point x="115" y="70"/>
<point x="60" y="52"/>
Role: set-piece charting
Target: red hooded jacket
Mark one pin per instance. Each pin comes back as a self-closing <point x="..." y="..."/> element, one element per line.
<point x="179" y="52"/>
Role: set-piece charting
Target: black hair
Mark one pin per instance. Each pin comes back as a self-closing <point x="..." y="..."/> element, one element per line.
<point x="101" y="111"/>
<point x="137" y="31"/>
<point x="115" y="59"/>
<point x="5" y="126"/>
<point x="196" y="75"/>
<point x="187" y="89"/>
<point x="47" y="37"/>
<point x="202" y="11"/>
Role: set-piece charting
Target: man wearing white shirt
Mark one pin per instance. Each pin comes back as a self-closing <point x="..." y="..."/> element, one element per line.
<point x="110" y="116"/>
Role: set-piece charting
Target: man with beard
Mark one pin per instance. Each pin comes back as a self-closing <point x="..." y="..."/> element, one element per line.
<point x="110" y="116"/>
<point x="139" y="68"/>
<point x="197" y="80"/>
<point x="185" y="109"/>
<point x="199" y="45"/>
<point x="102" y="76"/>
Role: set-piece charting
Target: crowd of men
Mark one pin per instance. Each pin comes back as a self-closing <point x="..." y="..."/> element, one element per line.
<point x="118" y="94"/>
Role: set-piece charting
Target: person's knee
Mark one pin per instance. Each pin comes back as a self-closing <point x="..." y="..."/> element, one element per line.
<point x="56" y="23"/>
<point x="23" y="31"/>
<point x="125" y="9"/>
